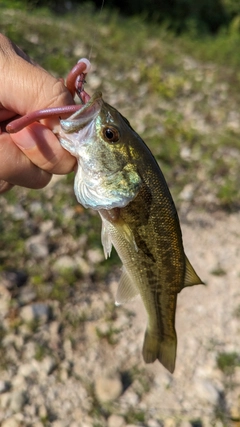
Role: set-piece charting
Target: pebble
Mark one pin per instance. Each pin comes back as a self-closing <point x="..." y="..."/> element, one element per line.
<point x="116" y="421"/>
<point x="17" y="212"/>
<point x="36" y="311"/>
<point x="37" y="246"/>
<point x="206" y="391"/>
<point x="94" y="81"/>
<point x="187" y="424"/>
<point x="5" y="400"/>
<point x="27" y="369"/>
<point x="153" y="423"/>
<point x="4" y="386"/>
<point x="47" y="366"/>
<point x="11" y="422"/>
<point x="18" y="399"/>
<point x="64" y="262"/>
<point x="27" y="295"/>
<point x="13" y="278"/>
<point x="108" y="389"/>
<point x="95" y="255"/>
<point x="59" y="423"/>
<point x="170" y="422"/>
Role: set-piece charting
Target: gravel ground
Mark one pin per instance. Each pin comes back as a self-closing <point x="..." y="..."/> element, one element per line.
<point x="80" y="364"/>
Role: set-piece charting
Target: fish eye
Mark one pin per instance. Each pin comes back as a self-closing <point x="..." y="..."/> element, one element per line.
<point x="111" y="134"/>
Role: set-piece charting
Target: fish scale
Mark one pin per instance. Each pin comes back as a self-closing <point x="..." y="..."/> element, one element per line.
<point x="118" y="176"/>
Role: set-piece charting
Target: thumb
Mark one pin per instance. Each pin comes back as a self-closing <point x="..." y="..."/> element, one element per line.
<point x="24" y="85"/>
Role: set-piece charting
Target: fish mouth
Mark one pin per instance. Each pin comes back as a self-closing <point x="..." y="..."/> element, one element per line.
<point x="84" y="115"/>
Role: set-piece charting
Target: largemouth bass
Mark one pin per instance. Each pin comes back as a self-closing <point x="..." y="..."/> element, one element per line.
<point x="118" y="176"/>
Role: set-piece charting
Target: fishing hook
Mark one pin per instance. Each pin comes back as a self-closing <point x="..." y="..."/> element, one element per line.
<point x="75" y="83"/>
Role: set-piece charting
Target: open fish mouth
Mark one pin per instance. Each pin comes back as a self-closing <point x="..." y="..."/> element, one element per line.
<point x="84" y="115"/>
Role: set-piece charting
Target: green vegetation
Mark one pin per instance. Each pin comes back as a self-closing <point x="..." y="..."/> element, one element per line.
<point x="181" y="93"/>
<point x="182" y="97"/>
<point x="227" y="362"/>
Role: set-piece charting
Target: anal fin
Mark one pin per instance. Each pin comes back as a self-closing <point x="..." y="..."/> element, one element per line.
<point x="126" y="289"/>
<point x="191" y="278"/>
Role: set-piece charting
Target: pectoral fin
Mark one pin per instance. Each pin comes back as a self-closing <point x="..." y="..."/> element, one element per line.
<point x="106" y="239"/>
<point x="126" y="289"/>
<point x="191" y="278"/>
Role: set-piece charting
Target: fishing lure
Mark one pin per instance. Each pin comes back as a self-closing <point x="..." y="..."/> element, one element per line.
<point x="75" y="83"/>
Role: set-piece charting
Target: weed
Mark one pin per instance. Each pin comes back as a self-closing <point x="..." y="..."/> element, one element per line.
<point x="227" y="362"/>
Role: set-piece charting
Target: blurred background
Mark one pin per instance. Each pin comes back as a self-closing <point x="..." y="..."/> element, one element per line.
<point x="68" y="356"/>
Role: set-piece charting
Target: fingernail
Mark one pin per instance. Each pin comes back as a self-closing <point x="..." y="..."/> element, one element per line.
<point x="25" y="138"/>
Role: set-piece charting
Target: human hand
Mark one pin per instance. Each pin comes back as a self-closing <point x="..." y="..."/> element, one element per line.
<point x="29" y="157"/>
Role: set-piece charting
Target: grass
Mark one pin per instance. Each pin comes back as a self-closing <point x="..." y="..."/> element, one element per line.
<point x="181" y="94"/>
<point x="181" y="98"/>
<point x="226" y="362"/>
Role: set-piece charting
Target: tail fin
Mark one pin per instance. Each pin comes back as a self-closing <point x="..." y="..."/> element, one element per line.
<point x="164" y="351"/>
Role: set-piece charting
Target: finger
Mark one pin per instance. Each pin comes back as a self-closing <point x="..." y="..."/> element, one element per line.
<point x="17" y="169"/>
<point x="5" y="186"/>
<point x="31" y="87"/>
<point x="43" y="149"/>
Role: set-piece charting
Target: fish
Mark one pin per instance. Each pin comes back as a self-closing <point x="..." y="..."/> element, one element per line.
<point x="118" y="176"/>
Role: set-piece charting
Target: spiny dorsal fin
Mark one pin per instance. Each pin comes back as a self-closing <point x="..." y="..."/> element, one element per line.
<point x="126" y="290"/>
<point x="191" y="278"/>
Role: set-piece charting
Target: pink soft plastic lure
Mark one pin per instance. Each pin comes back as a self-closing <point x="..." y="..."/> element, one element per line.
<point x="75" y="83"/>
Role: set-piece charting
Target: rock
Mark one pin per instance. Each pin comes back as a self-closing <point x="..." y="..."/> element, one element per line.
<point x="19" y="382"/>
<point x="170" y="422"/>
<point x="4" y="386"/>
<point x="116" y="421"/>
<point x="94" y="81"/>
<point x="48" y="365"/>
<point x="37" y="246"/>
<point x="5" y="300"/>
<point x="59" y="423"/>
<point x="206" y="391"/>
<point x="18" y="399"/>
<point x="83" y="265"/>
<point x="95" y="255"/>
<point x="108" y="389"/>
<point x="186" y="424"/>
<point x="42" y="411"/>
<point x="153" y="423"/>
<point x="64" y="262"/>
<point x="5" y="400"/>
<point x="11" y="422"/>
<point x="27" y="369"/>
<point x="47" y="226"/>
<point x="35" y="312"/>
<point x="13" y="278"/>
<point x="234" y="412"/>
<point x="87" y="422"/>
<point x="17" y="212"/>
<point x="27" y="295"/>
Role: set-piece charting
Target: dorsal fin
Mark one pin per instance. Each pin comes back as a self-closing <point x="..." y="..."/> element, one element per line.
<point x="126" y="289"/>
<point x="191" y="278"/>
